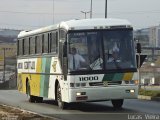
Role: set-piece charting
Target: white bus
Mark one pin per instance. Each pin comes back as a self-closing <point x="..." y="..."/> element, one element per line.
<point x="78" y="61"/>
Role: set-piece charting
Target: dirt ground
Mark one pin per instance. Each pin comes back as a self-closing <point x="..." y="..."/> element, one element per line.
<point x="10" y="113"/>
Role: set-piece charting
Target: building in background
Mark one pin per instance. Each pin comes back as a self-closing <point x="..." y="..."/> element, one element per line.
<point x="154" y="36"/>
<point x="142" y="35"/>
<point x="150" y="70"/>
<point x="8" y="51"/>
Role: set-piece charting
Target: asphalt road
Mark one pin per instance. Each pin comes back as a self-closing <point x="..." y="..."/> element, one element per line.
<point x="132" y="109"/>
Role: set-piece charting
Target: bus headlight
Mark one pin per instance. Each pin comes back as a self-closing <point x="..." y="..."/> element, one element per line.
<point x="132" y="91"/>
<point x="80" y="93"/>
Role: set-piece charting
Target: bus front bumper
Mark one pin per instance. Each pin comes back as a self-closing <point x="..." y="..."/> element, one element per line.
<point x="102" y="93"/>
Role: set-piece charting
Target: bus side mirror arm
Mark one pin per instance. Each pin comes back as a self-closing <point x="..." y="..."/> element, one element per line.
<point x="139" y="49"/>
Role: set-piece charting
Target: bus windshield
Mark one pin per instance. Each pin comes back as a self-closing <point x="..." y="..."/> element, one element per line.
<point x="101" y="50"/>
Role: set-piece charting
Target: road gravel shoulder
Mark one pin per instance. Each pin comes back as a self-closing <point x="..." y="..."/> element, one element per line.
<point x="12" y="113"/>
<point x="143" y="97"/>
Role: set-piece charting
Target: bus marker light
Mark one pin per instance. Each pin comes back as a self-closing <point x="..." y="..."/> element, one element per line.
<point x="80" y="93"/>
<point x="132" y="91"/>
<point x="136" y="82"/>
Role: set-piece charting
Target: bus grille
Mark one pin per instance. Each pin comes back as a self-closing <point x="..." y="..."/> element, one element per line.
<point x="106" y="83"/>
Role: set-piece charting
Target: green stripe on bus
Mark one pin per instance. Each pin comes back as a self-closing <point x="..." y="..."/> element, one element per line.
<point x="42" y="77"/>
<point x="118" y="76"/>
<point x="113" y="77"/>
<point x="46" y="82"/>
<point x="45" y="78"/>
<point x="108" y="77"/>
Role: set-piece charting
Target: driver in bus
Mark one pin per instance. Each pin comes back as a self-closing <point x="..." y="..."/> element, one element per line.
<point x="75" y="59"/>
<point x="114" y="57"/>
<point x="115" y="54"/>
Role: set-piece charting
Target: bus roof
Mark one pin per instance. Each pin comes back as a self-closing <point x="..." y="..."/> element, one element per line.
<point x="83" y="24"/>
<point x="37" y="31"/>
<point x="96" y="23"/>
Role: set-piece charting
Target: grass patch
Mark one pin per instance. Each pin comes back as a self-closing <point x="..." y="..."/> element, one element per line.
<point x="149" y="93"/>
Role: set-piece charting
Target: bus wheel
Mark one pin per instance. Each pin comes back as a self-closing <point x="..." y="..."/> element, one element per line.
<point x="31" y="97"/>
<point x="39" y="99"/>
<point x="61" y="104"/>
<point x="117" y="104"/>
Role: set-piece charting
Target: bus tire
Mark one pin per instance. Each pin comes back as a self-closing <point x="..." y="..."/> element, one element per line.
<point x="28" y="91"/>
<point x="39" y="99"/>
<point x="61" y="104"/>
<point x="32" y="99"/>
<point x="117" y="104"/>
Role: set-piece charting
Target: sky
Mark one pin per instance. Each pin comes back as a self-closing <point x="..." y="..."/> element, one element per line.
<point x="32" y="14"/>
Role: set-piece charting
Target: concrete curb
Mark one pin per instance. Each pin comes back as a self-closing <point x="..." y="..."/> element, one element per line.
<point x="148" y="98"/>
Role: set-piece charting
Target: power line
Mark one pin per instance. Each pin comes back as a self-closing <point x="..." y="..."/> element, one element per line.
<point x="18" y="12"/>
<point x="47" y="13"/>
<point x="139" y="12"/>
<point x="19" y="25"/>
<point x="135" y="12"/>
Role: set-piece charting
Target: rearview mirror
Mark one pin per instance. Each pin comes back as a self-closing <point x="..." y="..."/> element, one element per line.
<point x="139" y="48"/>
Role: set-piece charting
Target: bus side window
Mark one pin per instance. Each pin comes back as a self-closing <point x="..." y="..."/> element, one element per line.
<point x="26" y="46"/>
<point x="20" y="47"/>
<point x="49" y="42"/>
<point x="46" y="43"/>
<point x="17" y="47"/>
<point x="23" y="46"/>
<point x="39" y="44"/>
<point x="29" y="50"/>
<point x="63" y="38"/>
<point x="54" y="42"/>
<point x="32" y="45"/>
<point x="62" y="34"/>
<point x="42" y="43"/>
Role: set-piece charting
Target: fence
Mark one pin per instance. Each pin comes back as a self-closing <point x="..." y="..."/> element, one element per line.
<point x="8" y="73"/>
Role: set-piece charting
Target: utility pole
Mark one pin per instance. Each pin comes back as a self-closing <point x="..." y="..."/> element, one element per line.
<point x="53" y="11"/>
<point x="4" y="64"/>
<point x="91" y="10"/>
<point x="106" y="9"/>
<point x="85" y="13"/>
